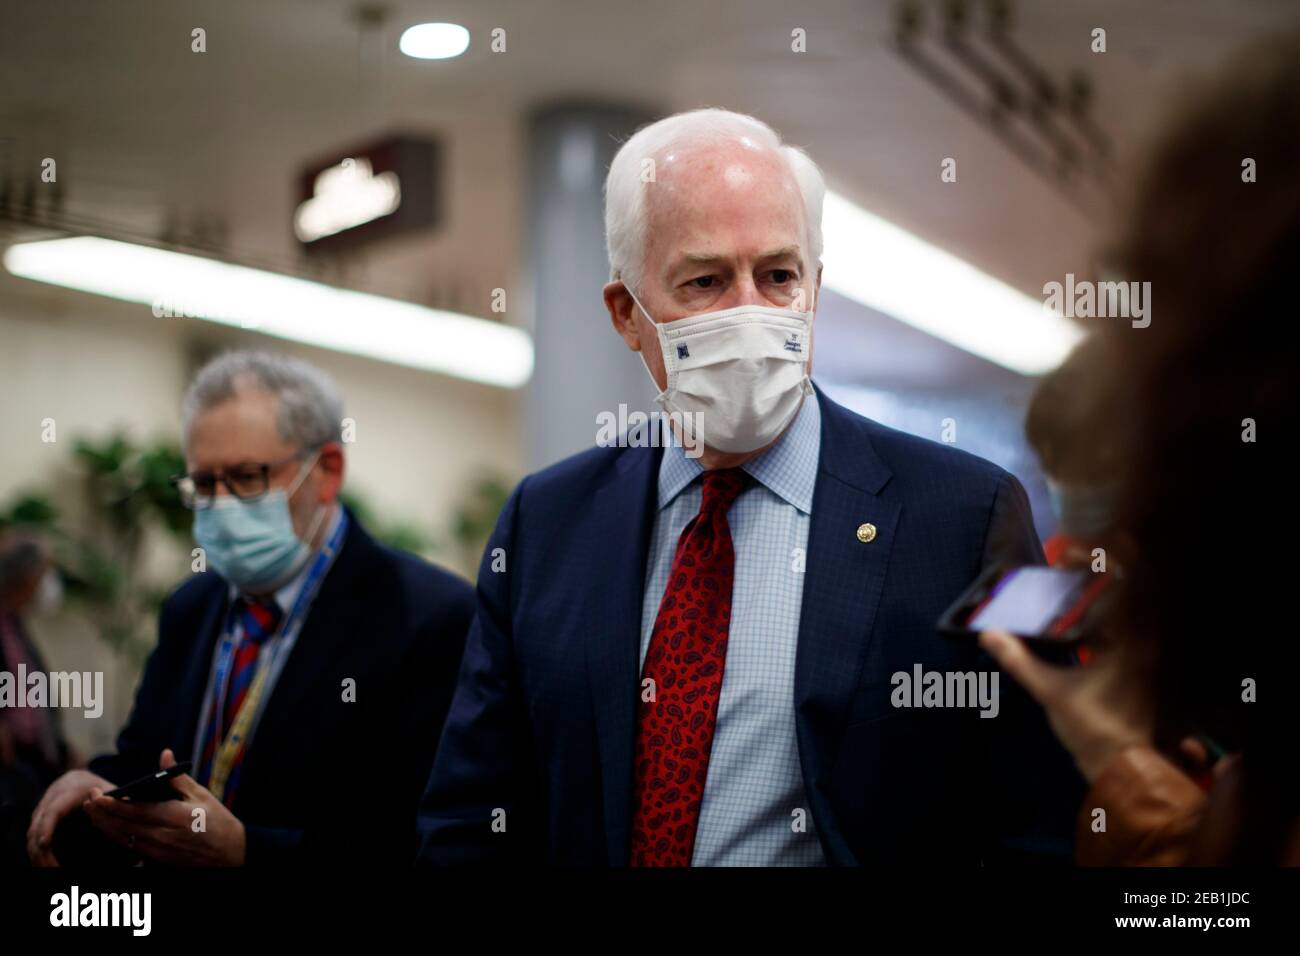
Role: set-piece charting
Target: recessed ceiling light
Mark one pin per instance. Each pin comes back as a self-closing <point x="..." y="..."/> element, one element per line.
<point x="434" y="41"/>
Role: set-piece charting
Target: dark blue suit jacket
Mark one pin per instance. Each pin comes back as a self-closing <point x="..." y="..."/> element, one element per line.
<point x="322" y="777"/>
<point x="543" y="721"/>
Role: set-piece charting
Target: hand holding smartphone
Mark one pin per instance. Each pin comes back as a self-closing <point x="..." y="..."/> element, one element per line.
<point x="1047" y="605"/>
<point x="153" y="788"/>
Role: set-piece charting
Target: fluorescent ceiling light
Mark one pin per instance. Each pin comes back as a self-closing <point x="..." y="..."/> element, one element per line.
<point x="885" y="267"/>
<point x="434" y="41"/>
<point x="389" y="330"/>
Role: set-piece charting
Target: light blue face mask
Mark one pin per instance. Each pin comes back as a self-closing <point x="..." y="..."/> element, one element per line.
<point x="252" y="544"/>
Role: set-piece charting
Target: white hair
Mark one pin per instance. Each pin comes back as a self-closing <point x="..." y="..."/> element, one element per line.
<point x="310" y="412"/>
<point x="625" y="208"/>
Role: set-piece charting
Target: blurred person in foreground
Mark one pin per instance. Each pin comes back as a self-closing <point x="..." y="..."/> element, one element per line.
<point x="692" y="659"/>
<point x="305" y="658"/>
<point x="33" y="749"/>
<point x="1206" y="658"/>
<point x="1076" y="430"/>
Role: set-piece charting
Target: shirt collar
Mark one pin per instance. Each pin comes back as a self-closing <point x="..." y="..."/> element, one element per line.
<point x="788" y="469"/>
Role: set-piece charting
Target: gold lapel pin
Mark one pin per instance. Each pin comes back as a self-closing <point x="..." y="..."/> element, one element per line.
<point x="866" y="533"/>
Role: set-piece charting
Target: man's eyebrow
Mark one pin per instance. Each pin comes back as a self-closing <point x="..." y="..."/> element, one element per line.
<point x="783" y="253"/>
<point x="702" y="258"/>
<point x="698" y="259"/>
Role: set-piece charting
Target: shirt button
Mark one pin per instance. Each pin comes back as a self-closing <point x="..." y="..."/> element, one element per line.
<point x="866" y="533"/>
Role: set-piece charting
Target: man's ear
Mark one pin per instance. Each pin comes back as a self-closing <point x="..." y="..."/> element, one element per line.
<point x="622" y="313"/>
<point x="332" y="466"/>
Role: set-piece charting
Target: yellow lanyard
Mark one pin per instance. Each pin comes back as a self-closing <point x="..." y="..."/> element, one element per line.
<point x="224" y="760"/>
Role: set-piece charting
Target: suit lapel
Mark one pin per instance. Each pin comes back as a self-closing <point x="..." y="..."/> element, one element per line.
<point x="843" y="582"/>
<point x="621" y="516"/>
<point x="195" y="682"/>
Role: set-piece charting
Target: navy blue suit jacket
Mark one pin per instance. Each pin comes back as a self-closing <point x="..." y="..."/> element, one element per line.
<point x="542" y="725"/>
<point x="323" y="778"/>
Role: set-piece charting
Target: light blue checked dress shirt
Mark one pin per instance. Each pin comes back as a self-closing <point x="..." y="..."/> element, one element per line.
<point x="754" y="785"/>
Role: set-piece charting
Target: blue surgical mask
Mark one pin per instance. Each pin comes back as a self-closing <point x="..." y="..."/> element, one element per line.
<point x="252" y="544"/>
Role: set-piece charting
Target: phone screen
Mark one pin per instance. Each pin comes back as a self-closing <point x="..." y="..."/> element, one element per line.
<point x="1031" y="600"/>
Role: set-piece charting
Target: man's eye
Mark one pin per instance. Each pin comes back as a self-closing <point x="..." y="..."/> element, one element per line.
<point x="782" y="276"/>
<point x="703" y="282"/>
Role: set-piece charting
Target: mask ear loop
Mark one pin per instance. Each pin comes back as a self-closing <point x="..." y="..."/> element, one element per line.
<point x="639" y="305"/>
<point x="812" y="315"/>
<point x="667" y="434"/>
<point x="812" y="310"/>
<point x="659" y="394"/>
<point x="303" y="473"/>
<point x="320" y="509"/>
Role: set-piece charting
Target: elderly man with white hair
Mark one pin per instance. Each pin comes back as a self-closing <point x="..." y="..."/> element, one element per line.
<point x="301" y="655"/>
<point x="686" y="655"/>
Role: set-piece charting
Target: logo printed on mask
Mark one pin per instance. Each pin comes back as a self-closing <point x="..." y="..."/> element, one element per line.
<point x="683" y="352"/>
<point x="792" y="344"/>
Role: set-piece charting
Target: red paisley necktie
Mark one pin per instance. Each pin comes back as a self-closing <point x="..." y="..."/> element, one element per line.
<point x="688" y="649"/>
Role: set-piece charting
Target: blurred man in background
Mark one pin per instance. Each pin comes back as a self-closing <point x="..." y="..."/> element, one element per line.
<point x="307" y="655"/>
<point x="688" y="660"/>
<point x="33" y="751"/>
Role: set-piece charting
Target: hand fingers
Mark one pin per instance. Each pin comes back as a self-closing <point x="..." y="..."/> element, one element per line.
<point x="1227" y="765"/>
<point x="1036" y="676"/>
<point x="189" y="788"/>
<point x="183" y="784"/>
<point x="139" y="814"/>
<point x="40" y="833"/>
<point x="1196" y="753"/>
<point x="41" y="856"/>
<point x="37" y="837"/>
<point x="38" y="847"/>
<point x="121" y="831"/>
<point x="157" y="843"/>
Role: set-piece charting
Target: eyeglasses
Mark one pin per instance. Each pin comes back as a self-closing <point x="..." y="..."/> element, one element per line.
<point x="247" y="481"/>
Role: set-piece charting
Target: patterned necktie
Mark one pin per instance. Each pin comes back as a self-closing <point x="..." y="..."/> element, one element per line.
<point x="685" y="659"/>
<point x="258" y="621"/>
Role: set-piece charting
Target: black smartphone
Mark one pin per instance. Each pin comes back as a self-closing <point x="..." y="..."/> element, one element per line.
<point x="1045" y="604"/>
<point x="153" y="788"/>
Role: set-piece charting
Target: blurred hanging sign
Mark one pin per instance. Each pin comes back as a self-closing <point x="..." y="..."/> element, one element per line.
<point x="384" y="189"/>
